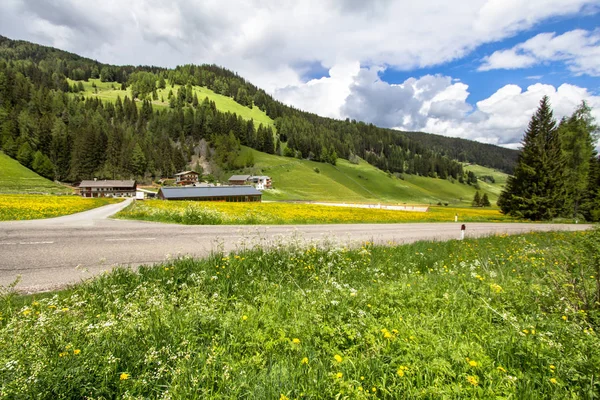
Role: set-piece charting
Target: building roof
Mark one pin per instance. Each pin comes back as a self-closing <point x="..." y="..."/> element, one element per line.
<point x="260" y="177"/>
<point x="187" y="172"/>
<point x="108" y="184"/>
<point x="239" y="178"/>
<point x="210" y="191"/>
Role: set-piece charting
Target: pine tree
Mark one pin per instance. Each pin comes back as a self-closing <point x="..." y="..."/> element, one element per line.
<point x="536" y="190"/>
<point x="476" y="200"/>
<point x="485" y="201"/>
<point x="138" y="161"/>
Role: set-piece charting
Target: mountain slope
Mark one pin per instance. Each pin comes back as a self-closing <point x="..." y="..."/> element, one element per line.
<point x="295" y="179"/>
<point x="15" y="178"/>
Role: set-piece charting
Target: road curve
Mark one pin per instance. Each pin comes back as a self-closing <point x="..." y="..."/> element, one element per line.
<point x="49" y="254"/>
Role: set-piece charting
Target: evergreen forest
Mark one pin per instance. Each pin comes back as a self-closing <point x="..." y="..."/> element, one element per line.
<point x="49" y="126"/>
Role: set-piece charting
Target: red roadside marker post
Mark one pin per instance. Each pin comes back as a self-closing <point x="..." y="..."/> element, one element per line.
<point x="463" y="228"/>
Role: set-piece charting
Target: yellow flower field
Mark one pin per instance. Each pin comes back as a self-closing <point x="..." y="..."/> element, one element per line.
<point x="209" y="213"/>
<point x="21" y="207"/>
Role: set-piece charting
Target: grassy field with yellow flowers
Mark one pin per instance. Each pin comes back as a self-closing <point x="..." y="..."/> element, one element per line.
<point x="221" y="213"/>
<point x="511" y="317"/>
<point x="25" y="206"/>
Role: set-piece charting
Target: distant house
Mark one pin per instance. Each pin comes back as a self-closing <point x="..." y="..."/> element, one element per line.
<point x="239" y="179"/>
<point x="211" y="193"/>
<point x="186" y="178"/>
<point x="261" y="182"/>
<point x="105" y="188"/>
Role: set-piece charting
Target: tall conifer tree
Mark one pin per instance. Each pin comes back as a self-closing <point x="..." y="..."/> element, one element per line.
<point x="536" y="190"/>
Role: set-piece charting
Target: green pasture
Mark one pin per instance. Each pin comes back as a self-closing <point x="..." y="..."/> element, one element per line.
<point x="15" y="178"/>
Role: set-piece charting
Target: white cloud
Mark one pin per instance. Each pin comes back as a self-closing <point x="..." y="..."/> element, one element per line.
<point x="264" y="41"/>
<point x="579" y="49"/>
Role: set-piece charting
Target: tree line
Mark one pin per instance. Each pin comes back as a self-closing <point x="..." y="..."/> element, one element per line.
<point x="558" y="169"/>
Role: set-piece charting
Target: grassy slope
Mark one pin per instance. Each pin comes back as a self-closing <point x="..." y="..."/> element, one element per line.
<point x="295" y="179"/>
<point x="492" y="188"/>
<point x="15" y="178"/>
<point x="109" y="91"/>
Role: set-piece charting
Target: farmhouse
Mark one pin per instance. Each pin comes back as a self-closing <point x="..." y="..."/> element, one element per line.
<point x="239" y="179"/>
<point x="105" y="188"/>
<point x="261" y="182"/>
<point x="211" y="193"/>
<point x="186" y="178"/>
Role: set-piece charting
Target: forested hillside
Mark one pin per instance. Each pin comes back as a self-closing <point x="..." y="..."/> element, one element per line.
<point x="50" y="126"/>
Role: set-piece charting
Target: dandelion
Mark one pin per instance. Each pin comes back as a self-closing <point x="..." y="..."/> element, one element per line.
<point x="62" y="354"/>
<point x="304" y="361"/>
<point x="473" y="380"/>
<point x="339" y="375"/>
<point x="373" y="389"/>
<point x="124" y="376"/>
<point x="76" y="351"/>
<point x="296" y="341"/>
<point x="401" y="371"/>
<point x="338" y="358"/>
<point x="244" y="317"/>
<point x="360" y="388"/>
<point x="283" y="397"/>
<point x="553" y="381"/>
<point x="473" y="363"/>
<point x="26" y="312"/>
<point x="564" y="317"/>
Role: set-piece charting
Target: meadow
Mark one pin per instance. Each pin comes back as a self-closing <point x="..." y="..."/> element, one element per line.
<point x="512" y="317"/>
<point x="14" y="207"/>
<point x="221" y="213"/>
<point x="15" y="178"/>
<point x="295" y="179"/>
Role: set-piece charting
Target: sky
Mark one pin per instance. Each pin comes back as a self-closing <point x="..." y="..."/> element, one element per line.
<point x="475" y="69"/>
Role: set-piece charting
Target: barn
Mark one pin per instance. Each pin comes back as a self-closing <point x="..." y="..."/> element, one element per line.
<point x="211" y="193"/>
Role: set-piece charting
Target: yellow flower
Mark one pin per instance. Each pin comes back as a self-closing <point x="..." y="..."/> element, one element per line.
<point x="26" y="312"/>
<point x="564" y="317"/>
<point x="35" y="303"/>
<point x="401" y="371"/>
<point x="304" y="360"/>
<point x="473" y="380"/>
<point x="124" y="376"/>
<point x="360" y="388"/>
<point x="76" y="351"/>
<point x="525" y="331"/>
<point x="373" y="389"/>
<point x="554" y="381"/>
<point x="552" y="367"/>
<point x="296" y="341"/>
<point x="62" y="354"/>
<point x="338" y="358"/>
<point x="283" y="397"/>
<point x="339" y="375"/>
<point x="244" y="317"/>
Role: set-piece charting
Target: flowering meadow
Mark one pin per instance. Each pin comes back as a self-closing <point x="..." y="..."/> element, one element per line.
<point x="501" y="317"/>
<point x="26" y="206"/>
<point x="222" y="213"/>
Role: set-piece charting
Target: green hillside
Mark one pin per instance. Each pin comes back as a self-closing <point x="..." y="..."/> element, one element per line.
<point x="109" y="91"/>
<point x="295" y="179"/>
<point x="15" y="178"/>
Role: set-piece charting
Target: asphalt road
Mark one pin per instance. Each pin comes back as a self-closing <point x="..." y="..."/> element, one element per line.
<point x="50" y="254"/>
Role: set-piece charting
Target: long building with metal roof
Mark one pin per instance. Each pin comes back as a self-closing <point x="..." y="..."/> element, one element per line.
<point x="211" y="193"/>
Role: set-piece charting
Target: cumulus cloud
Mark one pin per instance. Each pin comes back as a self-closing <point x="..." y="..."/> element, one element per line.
<point x="264" y="40"/>
<point x="579" y="49"/>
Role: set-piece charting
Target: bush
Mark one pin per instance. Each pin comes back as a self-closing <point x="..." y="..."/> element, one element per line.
<point x="317" y="170"/>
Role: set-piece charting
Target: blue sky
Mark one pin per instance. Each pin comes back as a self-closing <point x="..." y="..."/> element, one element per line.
<point x="483" y="84"/>
<point x="475" y="69"/>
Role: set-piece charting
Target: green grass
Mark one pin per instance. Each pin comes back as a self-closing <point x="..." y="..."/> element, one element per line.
<point x="295" y="179"/>
<point x="15" y="178"/>
<point x="109" y="91"/>
<point x="501" y="317"/>
<point x="493" y="189"/>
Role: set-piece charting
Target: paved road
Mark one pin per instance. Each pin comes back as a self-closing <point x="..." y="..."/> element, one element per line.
<point x="49" y="254"/>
